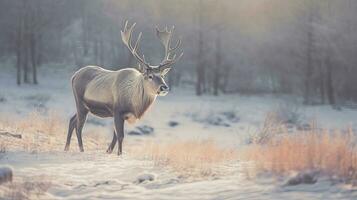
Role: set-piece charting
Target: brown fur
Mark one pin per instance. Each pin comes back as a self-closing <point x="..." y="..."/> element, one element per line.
<point x="124" y="94"/>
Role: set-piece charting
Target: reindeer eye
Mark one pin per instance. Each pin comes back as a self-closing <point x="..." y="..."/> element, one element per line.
<point x="151" y="76"/>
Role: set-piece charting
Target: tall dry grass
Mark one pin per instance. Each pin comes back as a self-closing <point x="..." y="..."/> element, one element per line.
<point x="332" y="152"/>
<point x="188" y="158"/>
<point x="40" y="132"/>
<point x="35" y="188"/>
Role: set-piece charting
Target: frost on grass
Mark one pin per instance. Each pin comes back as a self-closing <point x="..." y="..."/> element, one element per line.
<point x="291" y="116"/>
<point x="289" y="113"/>
<point x="270" y="128"/>
<point x="286" y="118"/>
<point x="187" y="158"/>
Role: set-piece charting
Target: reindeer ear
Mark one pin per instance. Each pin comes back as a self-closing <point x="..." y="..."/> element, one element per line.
<point x="141" y="68"/>
<point x="164" y="71"/>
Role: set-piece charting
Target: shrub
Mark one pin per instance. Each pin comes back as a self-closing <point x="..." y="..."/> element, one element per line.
<point x="189" y="158"/>
<point x="331" y="152"/>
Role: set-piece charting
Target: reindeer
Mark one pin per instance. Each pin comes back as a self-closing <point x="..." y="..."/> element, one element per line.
<point x="125" y="94"/>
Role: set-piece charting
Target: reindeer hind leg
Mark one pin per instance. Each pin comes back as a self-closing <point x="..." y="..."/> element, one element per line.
<point x="71" y="126"/>
<point x="81" y="119"/>
<point x="119" y="129"/>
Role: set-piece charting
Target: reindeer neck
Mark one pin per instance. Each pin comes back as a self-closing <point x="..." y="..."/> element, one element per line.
<point x="145" y="99"/>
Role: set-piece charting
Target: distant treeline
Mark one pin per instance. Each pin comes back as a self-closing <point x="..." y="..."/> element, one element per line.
<point x="307" y="48"/>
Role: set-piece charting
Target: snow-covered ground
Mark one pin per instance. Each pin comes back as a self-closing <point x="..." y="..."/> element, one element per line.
<point x="228" y="120"/>
<point x="94" y="175"/>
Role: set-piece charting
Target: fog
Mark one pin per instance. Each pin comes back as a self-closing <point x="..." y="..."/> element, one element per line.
<point x="305" y="48"/>
<point x="262" y="105"/>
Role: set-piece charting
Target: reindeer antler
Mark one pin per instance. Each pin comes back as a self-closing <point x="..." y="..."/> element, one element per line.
<point x="165" y="38"/>
<point x="126" y="35"/>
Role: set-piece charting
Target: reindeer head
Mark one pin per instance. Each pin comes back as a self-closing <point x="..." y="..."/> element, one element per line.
<point x="153" y="74"/>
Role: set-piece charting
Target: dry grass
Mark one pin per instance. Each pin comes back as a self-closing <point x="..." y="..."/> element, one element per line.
<point x="331" y="152"/>
<point x="188" y="158"/>
<point x="271" y="127"/>
<point x="40" y="132"/>
<point x="25" y="190"/>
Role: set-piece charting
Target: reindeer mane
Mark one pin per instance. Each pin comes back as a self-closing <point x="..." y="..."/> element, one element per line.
<point x="132" y="95"/>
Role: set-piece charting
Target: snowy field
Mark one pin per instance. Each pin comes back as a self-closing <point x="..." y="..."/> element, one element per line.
<point x="229" y="121"/>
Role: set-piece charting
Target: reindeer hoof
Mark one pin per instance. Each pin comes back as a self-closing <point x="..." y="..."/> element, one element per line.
<point x="66" y="148"/>
<point x="109" y="151"/>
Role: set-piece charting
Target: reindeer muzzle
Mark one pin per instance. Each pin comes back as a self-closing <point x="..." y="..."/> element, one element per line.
<point x="164" y="89"/>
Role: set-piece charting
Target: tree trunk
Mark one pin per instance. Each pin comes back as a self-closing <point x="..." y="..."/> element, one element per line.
<point x="96" y="51"/>
<point x="218" y="67"/>
<point x="76" y="54"/>
<point x="111" y="46"/>
<point x="18" y="66"/>
<point x="225" y="77"/>
<point x="329" y="78"/>
<point x="308" y="70"/>
<point x="18" y="50"/>
<point x="171" y="78"/>
<point x="33" y="58"/>
<point x="200" y="71"/>
<point x="307" y="86"/>
<point x="199" y="81"/>
<point x="322" y="85"/>
<point x="329" y="84"/>
<point x="101" y="51"/>
<point x="84" y="31"/>
<point x="25" y="41"/>
<point x="25" y="63"/>
<point x="39" y="50"/>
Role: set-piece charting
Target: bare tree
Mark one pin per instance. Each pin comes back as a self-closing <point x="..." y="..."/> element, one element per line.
<point x="309" y="67"/>
<point x="200" y="68"/>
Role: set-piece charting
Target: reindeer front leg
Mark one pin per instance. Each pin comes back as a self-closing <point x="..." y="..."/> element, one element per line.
<point x="119" y="130"/>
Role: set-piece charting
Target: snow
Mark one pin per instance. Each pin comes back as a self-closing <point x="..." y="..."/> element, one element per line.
<point x="97" y="175"/>
<point x="94" y="175"/>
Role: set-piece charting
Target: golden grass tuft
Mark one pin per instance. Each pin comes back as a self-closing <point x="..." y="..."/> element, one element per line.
<point x="51" y="123"/>
<point x="41" y="132"/>
<point x="331" y="152"/>
<point x="26" y="190"/>
<point x="188" y="158"/>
